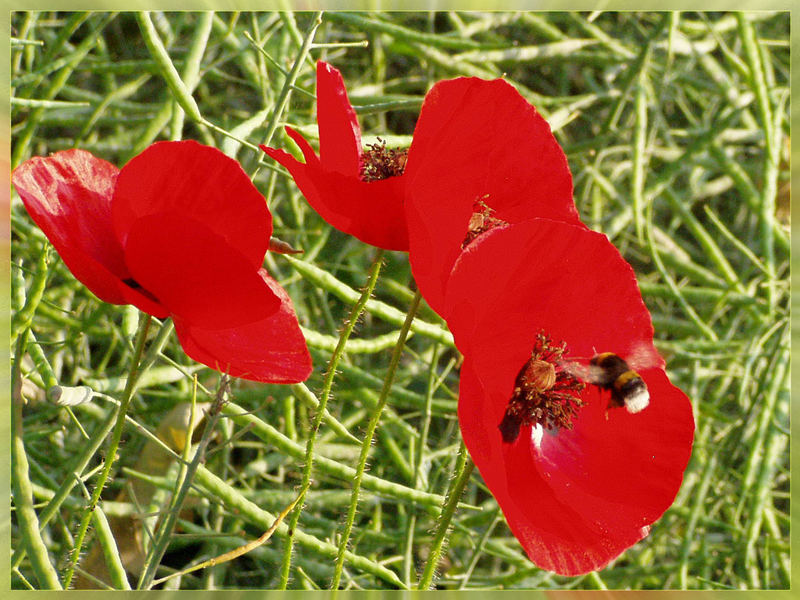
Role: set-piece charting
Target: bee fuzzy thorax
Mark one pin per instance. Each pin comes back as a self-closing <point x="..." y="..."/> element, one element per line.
<point x="609" y="367"/>
<point x="627" y="387"/>
<point x="547" y="391"/>
<point x="610" y="372"/>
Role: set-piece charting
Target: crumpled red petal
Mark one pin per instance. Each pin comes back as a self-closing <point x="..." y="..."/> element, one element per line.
<point x="182" y="232"/>
<point x="477" y="140"/>
<point x="194" y="272"/>
<point x="370" y="211"/>
<point x="68" y="195"/>
<point x="271" y="350"/>
<point x="599" y="485"/>
<point x="203" y="184"/>
<point x="339" y="133"/>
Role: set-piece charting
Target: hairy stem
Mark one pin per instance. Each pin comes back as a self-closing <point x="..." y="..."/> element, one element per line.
<point x="365" y="445"/>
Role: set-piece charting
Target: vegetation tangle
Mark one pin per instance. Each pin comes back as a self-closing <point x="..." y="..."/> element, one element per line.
<point x="449" y="300"/>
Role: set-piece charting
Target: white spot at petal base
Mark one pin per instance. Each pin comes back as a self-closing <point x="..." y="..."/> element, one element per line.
<point x="537" y="432"/>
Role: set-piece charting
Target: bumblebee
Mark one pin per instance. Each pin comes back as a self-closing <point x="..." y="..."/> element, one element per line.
<point x="608" y="371"/>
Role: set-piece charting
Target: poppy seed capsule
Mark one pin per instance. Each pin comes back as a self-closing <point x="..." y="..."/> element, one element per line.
<point x="540" y="375"/>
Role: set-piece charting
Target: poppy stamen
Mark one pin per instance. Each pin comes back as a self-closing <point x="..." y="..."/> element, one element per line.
<point x="379" y="162"/>
<point x="545" y="395"/>
<point x="481" y="221"/>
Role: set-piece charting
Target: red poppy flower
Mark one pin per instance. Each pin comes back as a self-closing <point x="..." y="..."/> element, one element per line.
<point x="578" y="478"/>
<point x="358" y="192"/>
<point x="481" y="156"/>
<point x="179" y="231"/>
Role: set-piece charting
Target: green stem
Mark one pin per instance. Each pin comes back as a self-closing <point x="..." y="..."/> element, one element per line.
<point x="105" y="537"/>
<point x="327" y="385"/>
<point x="23" y="318"/>
<point x="274" y="438"/>
<point x="283" y="98"/>
<point x="233" y="501"/>
<point x="183" y="484"/>
<point x="27" y="520"/>
<point x="79" y="464"/>
<point x="367" y="443"/>
<point x="463" y="471"/>
<point x="418" y="461"/>
<point x="116" y="436"/>
<point x="640" y="146"/>
<point x="772" y="135"/>
<point x="181" y="91"/>
<point x="56" y="82"/>
<point x="288" y="84"/>
<point x="191" y="68"/>
<point x="321" y="278"/>
<point x="688" y="309"/>
<point x="87" y="453"/>
<point x="595" y="579"/>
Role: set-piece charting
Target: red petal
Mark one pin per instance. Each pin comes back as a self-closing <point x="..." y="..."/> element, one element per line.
<point x="144" y="301"/>
<point x="598" y="485"/>
<point x="195" y="273"/>
<point x="371" y="211"/>
<point x="514" y="281"/>
<point x="477" y="140"/>
<point x="554" y="535"/>
<point x="591" y="492"/>
<point x="199" y="182"/>
<point x="624" y="469"/>
<point x="68" y="195"/>
<point x="271" y="350"/>
<point x="339" y="134"/>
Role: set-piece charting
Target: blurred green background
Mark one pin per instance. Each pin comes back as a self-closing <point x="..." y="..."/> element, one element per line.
<point x="676" y="127"/>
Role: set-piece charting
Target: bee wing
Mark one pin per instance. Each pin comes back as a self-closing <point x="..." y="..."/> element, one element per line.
<point x="589" y="373"/>
<point x="575" y="369"/>
<point x="643" y="356"/>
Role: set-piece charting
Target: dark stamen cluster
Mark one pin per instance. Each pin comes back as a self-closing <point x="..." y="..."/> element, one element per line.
<point x="544" y="393"/>
<point x="480" y="222"/>
<point x="379" y="162"/>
